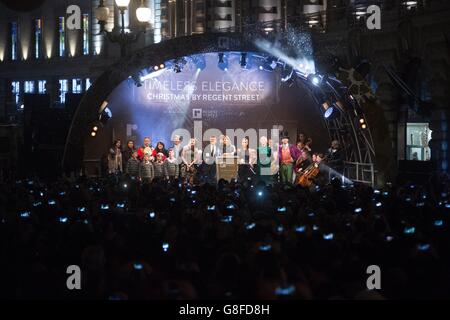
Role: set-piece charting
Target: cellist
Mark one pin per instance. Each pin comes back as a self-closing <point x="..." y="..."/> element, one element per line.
<point x="303" y="162"/>
<point x="311" y="174"/>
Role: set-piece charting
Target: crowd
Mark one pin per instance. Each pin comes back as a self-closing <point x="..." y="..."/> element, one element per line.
<point x="173" y="240"/>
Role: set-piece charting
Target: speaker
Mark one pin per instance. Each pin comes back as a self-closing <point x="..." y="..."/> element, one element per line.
<point x="5" y="145"/>
<point x="72" y="102"/>
<point x="35" y="106"/>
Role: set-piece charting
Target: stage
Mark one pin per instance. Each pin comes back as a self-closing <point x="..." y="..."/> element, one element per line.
<point x="216" y="85"/>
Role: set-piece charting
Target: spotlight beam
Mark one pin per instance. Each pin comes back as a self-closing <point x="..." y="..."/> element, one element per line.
<point x="300" y="65"/>
<point x="153" y="74"/>
<point x="330" y="170"/>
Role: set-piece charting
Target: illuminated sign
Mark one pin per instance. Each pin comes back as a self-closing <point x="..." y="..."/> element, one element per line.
<point x="233" y="85"/>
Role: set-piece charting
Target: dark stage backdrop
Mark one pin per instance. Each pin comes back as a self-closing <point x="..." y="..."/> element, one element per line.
<point x="235" y="98"/>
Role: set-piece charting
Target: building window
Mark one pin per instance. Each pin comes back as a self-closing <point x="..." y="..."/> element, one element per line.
<point x="76" y="86"/>
<point x="15" y="90"/>
<point x="63" y="89"/>
<point x="86" y="34"/>
<point x="425" y="93"/>
<point x="62" y="36"/>
<point x="29" y="87"/>
<point x="88" y="84"/>
<point x="38" y="38"/>
<point x="42" y="86"/>
<point x="418" y="135"/>
<point x="14" y="40"/>
<point x="157" y="22"/>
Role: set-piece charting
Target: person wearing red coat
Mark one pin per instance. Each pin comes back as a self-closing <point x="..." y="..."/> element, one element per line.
<point x="160" y="148"/>
<point x="287" y="155"/>
<point x="146" y="149"/>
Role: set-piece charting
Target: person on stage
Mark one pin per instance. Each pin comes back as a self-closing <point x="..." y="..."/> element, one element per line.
<point x="322" y="178"/>
<point x="160" y="148"/>
<point x="288" y="155"/>
<point x="115" y="158"/>
<point x="301" y="138"/>
<point x="209" y="165"/>
<point x="247" y="161"/>
<point x="172" y="168"/>
<point x="132" y="166"/>
<point x="160" y="167"/>
<point x="191" y="157"/>
<point x="275" y="163"/>
<point x="303" y="143"/>
<point x="303" y="162"/>
<point x="177" y="148"/>
<point x="264" y="161"/>
<point x="128" y="151"/>
<point x="146" y="148"/>
<point x="335" y="159"/>
<point x="146" y="170"/>
<point x="227" y="149"/>
<point x="315" y="174"/>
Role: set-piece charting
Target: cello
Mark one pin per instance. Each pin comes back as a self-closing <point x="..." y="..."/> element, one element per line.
<point x="306" y="179"/>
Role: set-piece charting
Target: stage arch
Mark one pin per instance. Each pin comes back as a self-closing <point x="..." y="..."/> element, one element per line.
<point x="339" y="112"/>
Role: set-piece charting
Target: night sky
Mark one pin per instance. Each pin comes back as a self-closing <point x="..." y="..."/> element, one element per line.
<point x="23" y="5"/>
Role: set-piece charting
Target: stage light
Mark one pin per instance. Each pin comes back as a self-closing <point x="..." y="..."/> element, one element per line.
<point x="95" y="128"/>
<point x="223" y="62"/>
<point x="329" y="112"/>
<point x="331" y="109"/>
<point x="315" y="80"/>
<point x="105" y="115"/>
<point x="199" y="61"/>
<point x="269" y="64"/>
<point x="261" y="68"/>
<point x="93" y="134"/>
<point x="179" y="65"/>
<point x="156" y="68"/>
<point x="273" y="64"/>
<point x="103" y="107"/>
<point x="361" y="121"/>
<point x="243" y="60"/>
<point x="162" y="66"/>
<point x="137" y="80"/>
<point x="287" y="73"/>
<point x="364" y="126"/>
